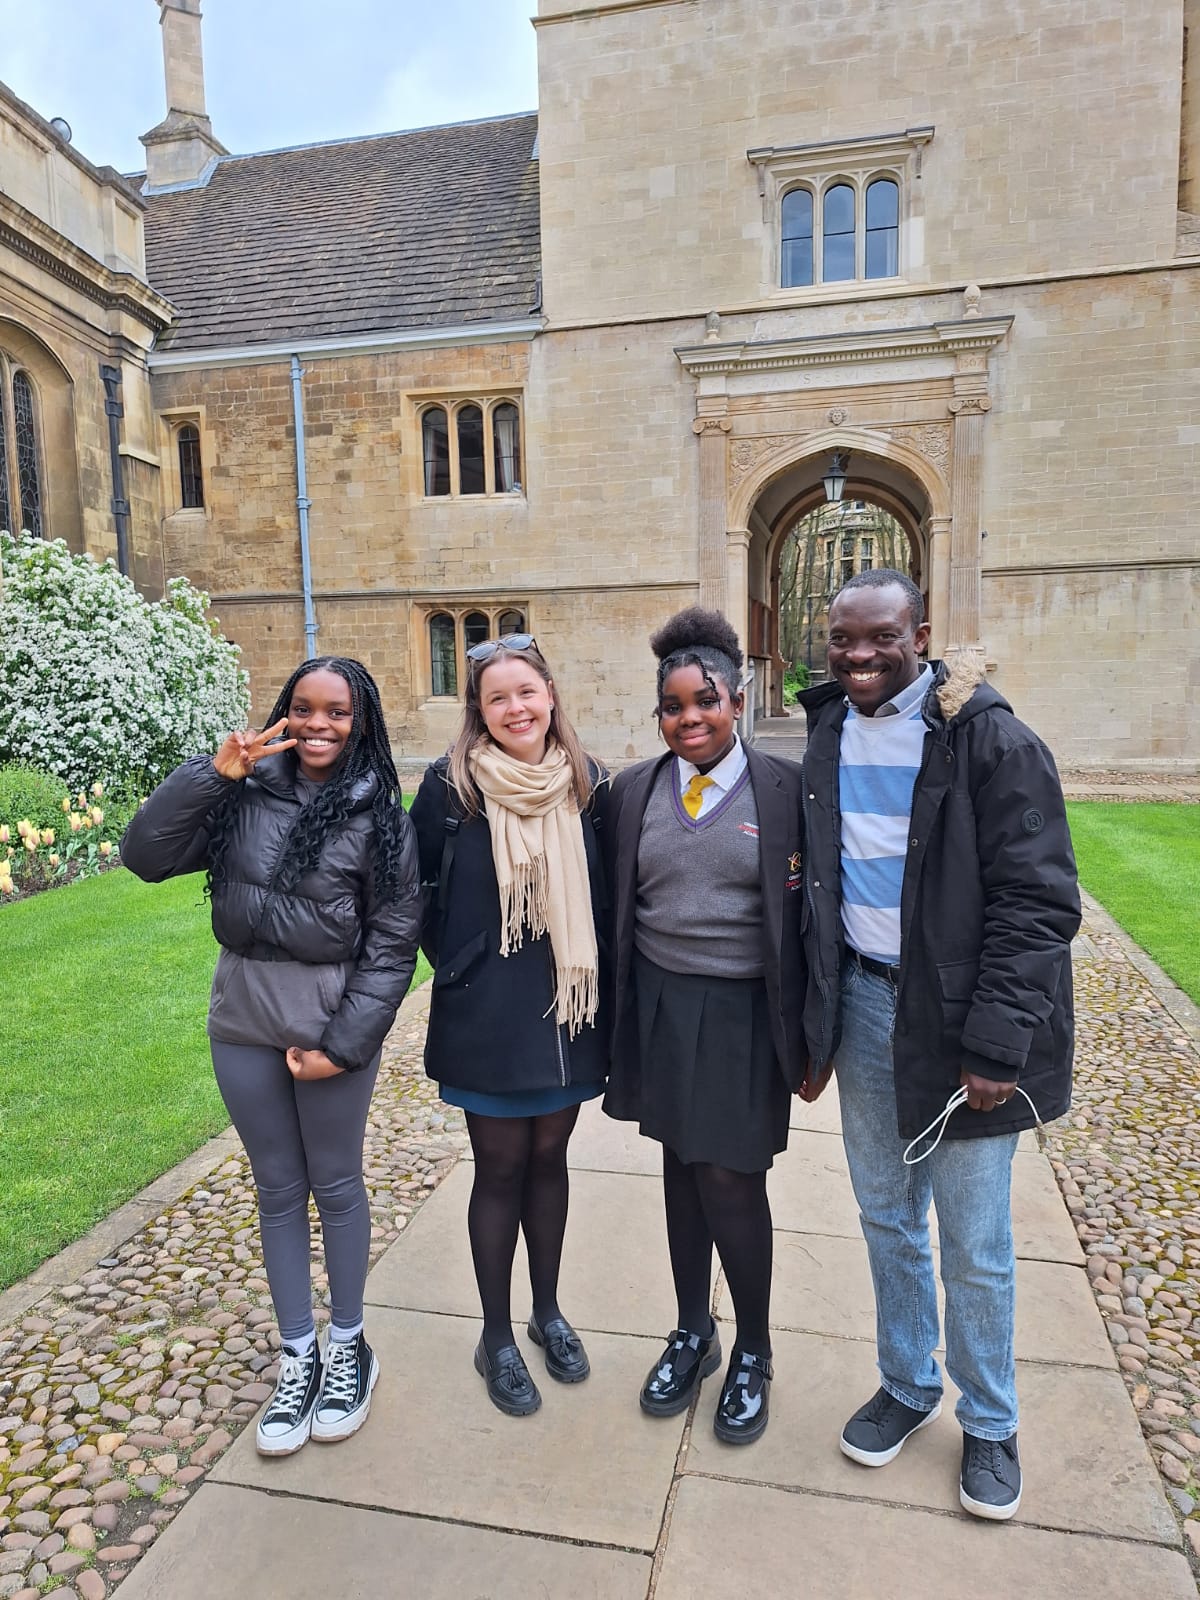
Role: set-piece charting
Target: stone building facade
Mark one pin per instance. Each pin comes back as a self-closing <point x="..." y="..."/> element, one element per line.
<point x="77" y="320"/>
<point x="581" y="368"/>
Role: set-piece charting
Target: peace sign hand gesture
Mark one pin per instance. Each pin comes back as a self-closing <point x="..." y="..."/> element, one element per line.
<point x="241" y="752"/>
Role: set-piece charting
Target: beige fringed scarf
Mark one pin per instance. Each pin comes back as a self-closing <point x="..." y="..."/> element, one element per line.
<point x="542" y="870"/>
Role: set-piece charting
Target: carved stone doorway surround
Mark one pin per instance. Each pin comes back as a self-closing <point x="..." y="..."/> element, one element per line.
<point x="908" y="404"/>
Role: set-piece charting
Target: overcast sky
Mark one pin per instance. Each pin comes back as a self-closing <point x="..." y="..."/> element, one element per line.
<point x="277" y="72"/>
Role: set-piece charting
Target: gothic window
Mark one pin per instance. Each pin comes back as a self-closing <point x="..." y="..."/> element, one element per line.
<point x="454" y="630"/>
<point x="506" y="447"/>
<point x="470" y="450"/>
<point x="191" y="479"/>
<point x="476" y="628"/>
<point x="435" y="443"/>
<point x="883" y="229"/>
<point x="841" y="211"/>
<point x="837" y="260"/>
<point x="6" y="520"/>
<point x="867" y="559"/>
<point x="471" y="447"/>
<point x="20" y="454"/>
<point x="796" y="256"/>
<point x="442" y="659"/>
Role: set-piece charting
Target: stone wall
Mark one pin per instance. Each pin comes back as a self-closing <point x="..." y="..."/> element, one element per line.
<point x="1056" y="142"/>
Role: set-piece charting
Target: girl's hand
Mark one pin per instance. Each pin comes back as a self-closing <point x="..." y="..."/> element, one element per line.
<point x="307" y="1065"/>
<point x="241" y="752"/>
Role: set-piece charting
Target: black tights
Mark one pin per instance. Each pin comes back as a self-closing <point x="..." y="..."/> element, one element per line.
<point x="520" y="1182"/>
<point x="709" y="1205"/>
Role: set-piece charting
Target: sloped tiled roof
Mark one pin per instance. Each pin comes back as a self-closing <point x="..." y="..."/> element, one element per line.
<point x="436" y="227"/>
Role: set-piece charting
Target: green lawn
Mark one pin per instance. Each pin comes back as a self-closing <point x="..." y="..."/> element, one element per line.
<point x="105" y="1079"/>
<point x="1142" y="862"/>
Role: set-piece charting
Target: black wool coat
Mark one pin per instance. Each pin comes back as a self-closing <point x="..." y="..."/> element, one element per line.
<point x="778" y="787"/>
<point x="333" y="914"/>
<point x="988" y="908"/>
<point x="492" y="1027"/>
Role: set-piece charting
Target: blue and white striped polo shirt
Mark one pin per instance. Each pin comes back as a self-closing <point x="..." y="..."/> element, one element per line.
<point x="877" y="769"/>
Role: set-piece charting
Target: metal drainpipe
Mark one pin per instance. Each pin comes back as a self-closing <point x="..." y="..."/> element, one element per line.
<point x="302" y="505"/>
<point x="119" y="505"/>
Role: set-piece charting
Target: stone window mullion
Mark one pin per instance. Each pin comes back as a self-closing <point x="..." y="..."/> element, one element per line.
<point x="452" y="425"/>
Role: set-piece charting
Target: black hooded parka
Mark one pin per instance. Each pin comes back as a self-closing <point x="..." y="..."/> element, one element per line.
<point x="989" y="906"/>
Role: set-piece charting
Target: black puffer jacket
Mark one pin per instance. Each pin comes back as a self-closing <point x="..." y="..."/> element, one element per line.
<point x="988" y="908"/>
<point x="492" y="1027"/>
<point x="332" y="915"/>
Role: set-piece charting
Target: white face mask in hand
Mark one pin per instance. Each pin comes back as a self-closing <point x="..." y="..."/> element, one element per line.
<point x="958" y="1098"/>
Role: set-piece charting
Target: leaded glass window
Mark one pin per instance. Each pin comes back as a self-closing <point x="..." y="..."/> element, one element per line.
<point x="29" y="483"/>
<point x="191" y="481"/>
<point x="443" y="665"/>
<point x="470" y="450"/>
<point x="5" y="501"/>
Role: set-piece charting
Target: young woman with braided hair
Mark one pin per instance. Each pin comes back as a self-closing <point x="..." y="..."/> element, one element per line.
<point x="709" y="985"/>
<point x="508" y="829"/>
<point x="313" y="877"/>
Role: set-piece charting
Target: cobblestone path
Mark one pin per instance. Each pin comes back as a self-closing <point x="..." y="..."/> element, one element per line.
<point x="117" y="1393"/>
<point x="1127" y="1159"/>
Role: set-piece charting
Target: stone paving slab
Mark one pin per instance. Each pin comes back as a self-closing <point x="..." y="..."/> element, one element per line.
<point x="822" y="1284"/>
<point x="1086" y="1468"/>
<point x="827" y="1549"/>
<point x="587" y="1466"/>
<point x="615" y="1272"/>
<point x="307" y="1550"/>
<point x="603" y="1145"/>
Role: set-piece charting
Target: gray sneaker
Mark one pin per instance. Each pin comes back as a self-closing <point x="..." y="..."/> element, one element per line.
<point x="878" y="1431"/>
<point x="990" y="1482"/>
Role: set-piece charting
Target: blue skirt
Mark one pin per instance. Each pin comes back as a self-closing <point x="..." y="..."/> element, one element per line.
<point x="520" y="1102"/>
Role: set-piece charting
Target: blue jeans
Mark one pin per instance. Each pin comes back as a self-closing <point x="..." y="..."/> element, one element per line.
<point x="968" y="1181"/>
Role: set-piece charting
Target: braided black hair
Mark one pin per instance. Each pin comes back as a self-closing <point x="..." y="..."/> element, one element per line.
<point x="367" y="751"/>
<point x="698" y="638"/>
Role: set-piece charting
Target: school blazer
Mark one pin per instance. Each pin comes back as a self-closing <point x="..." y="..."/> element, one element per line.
<point x="777" y="786"/>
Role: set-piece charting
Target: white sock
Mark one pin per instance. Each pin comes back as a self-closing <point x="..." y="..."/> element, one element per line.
<point x="304" y="1343"/>
<point x="345" y="1335"/>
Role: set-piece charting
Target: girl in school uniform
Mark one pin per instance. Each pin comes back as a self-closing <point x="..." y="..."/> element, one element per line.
<point x="709" y="982"/>
<point x="507" y="825"/>
<point x="312" y="873"/>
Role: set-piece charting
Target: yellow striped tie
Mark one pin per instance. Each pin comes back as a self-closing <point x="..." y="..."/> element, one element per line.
<point x="693" y="795"/>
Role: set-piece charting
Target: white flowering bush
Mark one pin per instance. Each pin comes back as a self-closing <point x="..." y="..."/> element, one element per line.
<point x="99" y="684"/>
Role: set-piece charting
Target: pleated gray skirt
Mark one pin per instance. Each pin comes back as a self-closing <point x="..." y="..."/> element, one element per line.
<point x="710" y="1085"/>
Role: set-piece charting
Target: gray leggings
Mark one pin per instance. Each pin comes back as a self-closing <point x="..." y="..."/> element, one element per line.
<point x="303" y="1138"/>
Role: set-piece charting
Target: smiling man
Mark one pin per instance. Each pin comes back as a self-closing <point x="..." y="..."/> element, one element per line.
<point x="942" y="898"/>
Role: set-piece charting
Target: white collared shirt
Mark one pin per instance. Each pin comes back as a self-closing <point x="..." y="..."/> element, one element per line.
<point x="724" y="775"/>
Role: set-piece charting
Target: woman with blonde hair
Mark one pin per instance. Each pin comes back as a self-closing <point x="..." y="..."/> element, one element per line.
<point x="507" y="824"/>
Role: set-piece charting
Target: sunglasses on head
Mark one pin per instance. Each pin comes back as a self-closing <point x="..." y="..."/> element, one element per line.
<point x="486" y="649"/>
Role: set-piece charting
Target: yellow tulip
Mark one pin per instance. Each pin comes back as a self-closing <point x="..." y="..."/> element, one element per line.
<point x="47" y="835"/>
<point x="5" y="836"/>
<point x="6" y="886"/>
<point x="81" y="800"/>
<point x="31" y="841"/>
<point x="105" y="850"/>
<point x="52" y="859"/>
<point x="97" y="789"/>
<point x="23" y="827"/>
<point x="66" y="802"/>
<point x="97" y="815"/>
<point x="76" y="824"/>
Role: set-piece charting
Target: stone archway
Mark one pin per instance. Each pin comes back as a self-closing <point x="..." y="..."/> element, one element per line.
<point x="908" y="403"/>
<point x="778" y="485"/>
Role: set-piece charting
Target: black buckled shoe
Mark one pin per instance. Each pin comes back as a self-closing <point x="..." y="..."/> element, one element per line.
<point x="566" y="1359"/>
<point x="509" y="1386"/>
<point x="743" y="1409"/>
<point x="681" y="1369"/>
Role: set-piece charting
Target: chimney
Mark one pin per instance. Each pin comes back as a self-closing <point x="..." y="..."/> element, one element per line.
<point x="181" y="149"/>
